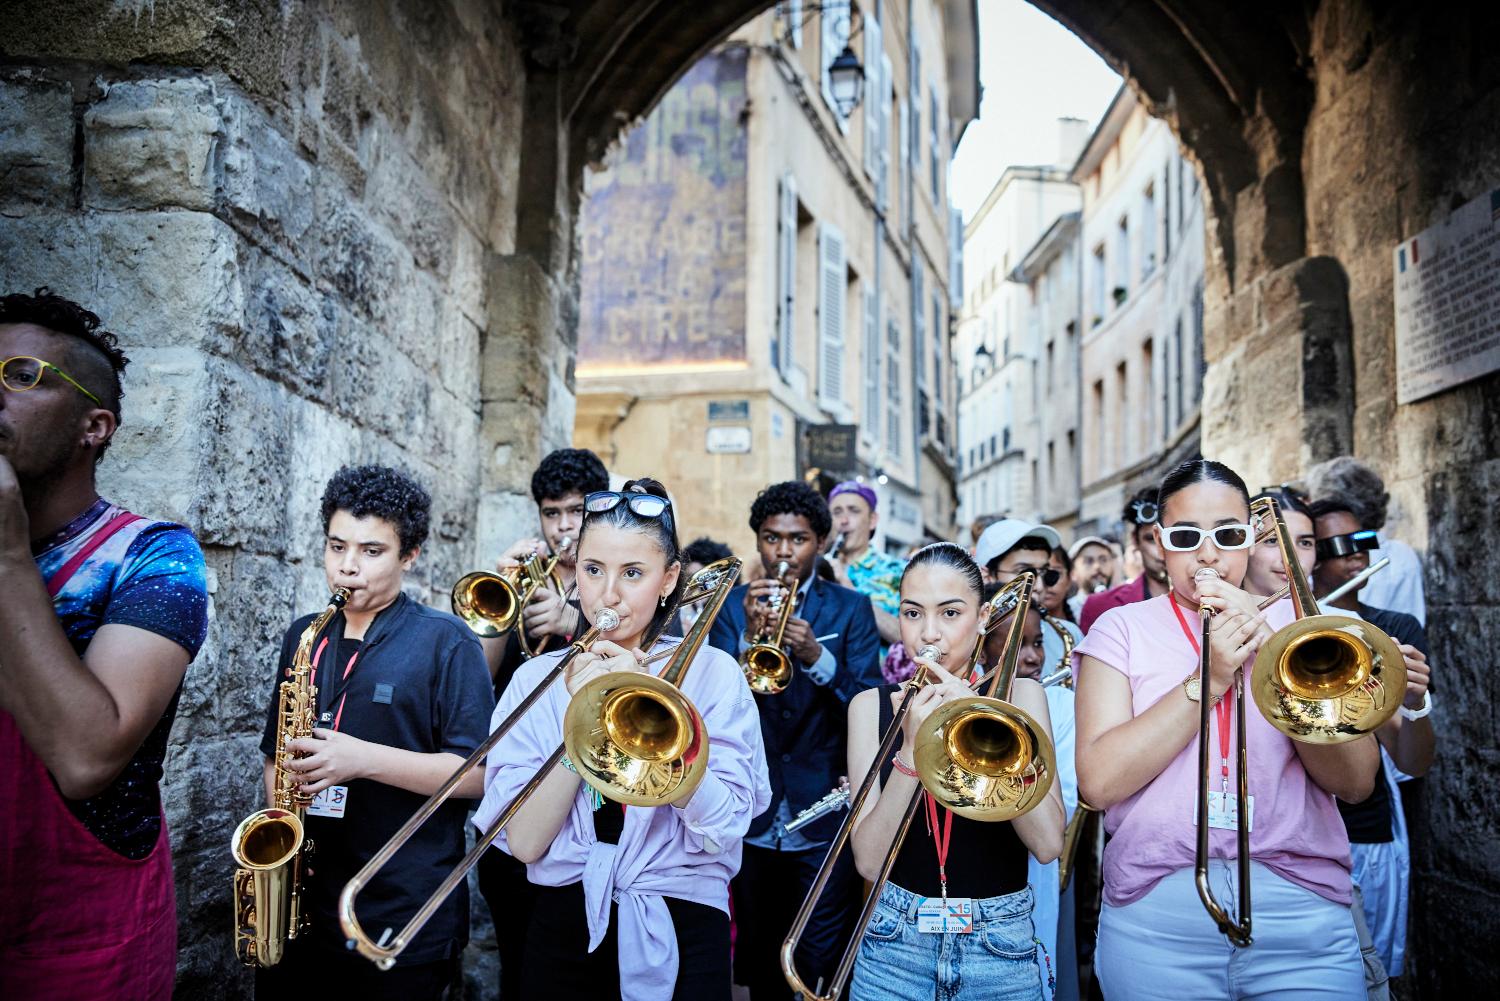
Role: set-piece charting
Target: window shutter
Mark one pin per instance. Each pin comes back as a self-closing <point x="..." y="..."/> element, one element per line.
<point x="831" y="292"/>
<point x="893" y="420"/>
<point x="870" y="421"/>
<point x="871" y="103"/>
<point x="902" y="163"/>
<point x="883" y="136"/>
<point x="786" y="274"/>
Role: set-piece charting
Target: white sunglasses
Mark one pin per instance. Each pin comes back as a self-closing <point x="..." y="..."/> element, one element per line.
<point x="1187" y="539"/>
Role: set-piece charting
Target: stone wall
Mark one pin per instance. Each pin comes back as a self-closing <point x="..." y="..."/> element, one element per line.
<point x="298" y="217"/>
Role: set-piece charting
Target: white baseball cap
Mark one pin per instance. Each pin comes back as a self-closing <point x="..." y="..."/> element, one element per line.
<point x="1089" y="540"/>
<point x="1001" y="537"/>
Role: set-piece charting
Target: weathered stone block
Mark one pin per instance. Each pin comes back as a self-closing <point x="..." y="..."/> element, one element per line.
<point x="156" y="278"/>
<point x="288" y="330"/>
<point x="36" y="143"/>
<point x="243" y="462"/>
<point x="265" y="178"/>
<point x="150" y="144"/>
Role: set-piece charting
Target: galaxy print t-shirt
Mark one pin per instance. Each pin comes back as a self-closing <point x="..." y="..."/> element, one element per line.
<point x="148" y="574"/>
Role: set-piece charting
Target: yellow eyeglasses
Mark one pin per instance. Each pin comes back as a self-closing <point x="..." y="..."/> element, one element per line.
<point x="23" y="372"/>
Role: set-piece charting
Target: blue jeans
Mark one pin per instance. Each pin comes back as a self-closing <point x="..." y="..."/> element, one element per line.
<point x="996" y="960"/>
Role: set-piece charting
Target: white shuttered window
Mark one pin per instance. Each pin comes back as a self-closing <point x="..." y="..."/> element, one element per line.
<point x="869" y="421"/>
<point x="832" y="289"/>
<point x="786" y="275"/>
<point x="895" y="427"/>
<point x="874" y="86"/>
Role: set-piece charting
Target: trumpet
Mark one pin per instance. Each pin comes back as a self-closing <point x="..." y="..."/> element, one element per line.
<point x="1015" y="754"/>
<point x="768" y="669"/>
<point x="637" y="738"/>
<point x="384" y="952"/>
<point x="1323" y="679"/>
<point x="491" y="603"/>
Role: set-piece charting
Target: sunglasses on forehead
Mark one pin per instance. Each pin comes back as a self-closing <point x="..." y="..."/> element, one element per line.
<point x="645" y="505"/>
<point x="1347" y="545"/>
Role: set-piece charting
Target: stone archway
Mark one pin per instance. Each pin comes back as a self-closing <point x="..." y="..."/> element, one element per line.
<point x="336" y="231"/>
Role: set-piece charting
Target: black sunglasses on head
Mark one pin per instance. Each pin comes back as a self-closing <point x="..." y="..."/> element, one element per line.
<point x="643" y="504"/>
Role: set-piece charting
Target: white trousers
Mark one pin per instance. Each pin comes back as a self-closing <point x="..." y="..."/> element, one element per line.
<point x="1165" y="947"/>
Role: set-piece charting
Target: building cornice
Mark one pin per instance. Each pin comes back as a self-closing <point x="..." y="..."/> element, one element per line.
<point x="1110" y="127"/>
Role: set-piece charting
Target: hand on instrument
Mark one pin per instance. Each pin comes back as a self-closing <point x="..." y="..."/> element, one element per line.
<point x="15" y="524"/>
<point x="1218" y="594"/>
<point x="330" y="758"/>
<point x="604" y="657"/>
<point x="759" y="611"/>
<point x="800" y="640"/>
<point x="519" y="550"/>
<point x="941" y="687"/>
<point x="548" y="614"/>
<point x="1234" y="638"/>
<point x="1418" y="675"/>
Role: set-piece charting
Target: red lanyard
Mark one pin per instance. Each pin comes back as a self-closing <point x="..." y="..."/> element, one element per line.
<point x="1222" y="709"/>
<point x="941" y="839"/>
<point x="347" y="668"/>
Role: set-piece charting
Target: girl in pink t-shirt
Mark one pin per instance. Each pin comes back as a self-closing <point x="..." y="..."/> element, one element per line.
<point x="1137" y="756"/>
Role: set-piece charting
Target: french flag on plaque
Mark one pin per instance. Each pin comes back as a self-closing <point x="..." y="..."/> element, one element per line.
<point x="1401" y="255"/>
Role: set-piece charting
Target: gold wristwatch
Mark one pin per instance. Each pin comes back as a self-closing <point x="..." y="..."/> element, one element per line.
<point x="1192" y="687"/>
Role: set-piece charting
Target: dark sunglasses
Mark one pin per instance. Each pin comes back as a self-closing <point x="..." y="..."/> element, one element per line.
<point x="645" y="505"/>
<point x="1047" y="577"/>
<point x="1336" y="546"/>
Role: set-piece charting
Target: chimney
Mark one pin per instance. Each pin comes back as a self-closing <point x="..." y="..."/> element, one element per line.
<point x="1072" y="135"/>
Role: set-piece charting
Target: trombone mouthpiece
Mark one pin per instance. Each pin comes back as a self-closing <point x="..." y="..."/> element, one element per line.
<point x="565" y="543"/>
<point x="606" y="619"/>
<point x="1206" y="573"/>
<point x="929" y="652"/>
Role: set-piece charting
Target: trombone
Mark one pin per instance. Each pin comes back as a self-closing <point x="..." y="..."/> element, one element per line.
<point x="491" y="603"/>
<point x="383" y="953"/>
<point x="768" y="669"/>
<point x="637" y="738"/>
<point x="1015" y="753"/>
<point x="1323" y="679"/>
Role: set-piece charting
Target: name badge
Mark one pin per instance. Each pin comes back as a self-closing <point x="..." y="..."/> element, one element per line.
<point x="331" y="802"/>
<point x="953" y="916"/>
<point x="1223" y="811"/>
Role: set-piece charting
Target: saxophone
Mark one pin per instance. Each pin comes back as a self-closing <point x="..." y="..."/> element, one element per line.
<point x="270" y="846"/>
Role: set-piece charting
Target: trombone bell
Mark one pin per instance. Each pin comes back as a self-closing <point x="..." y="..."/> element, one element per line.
<point x="637" y="739"/>
<point x="985" y="759"/>
<point x="1327" y="679"/>
<point x="646" y="724"/>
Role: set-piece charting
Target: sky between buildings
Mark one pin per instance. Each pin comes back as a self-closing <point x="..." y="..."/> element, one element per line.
<point x="1034" y="71"/>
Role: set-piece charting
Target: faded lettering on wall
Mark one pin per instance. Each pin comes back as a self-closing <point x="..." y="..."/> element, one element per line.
<point x="663" y="232"/>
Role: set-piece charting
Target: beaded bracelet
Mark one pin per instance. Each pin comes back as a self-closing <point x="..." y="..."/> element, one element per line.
<point x="902" y="766"/>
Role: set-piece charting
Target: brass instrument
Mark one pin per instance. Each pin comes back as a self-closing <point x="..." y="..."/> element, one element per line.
<point x="982" y="757"/>
<point x="1071" y="836"/>
<point x="384" y="952"/>
<point x="491" y="603"/>
<point x="1323" y="679"/>
<point x="270" y="846"/>
<point x="768" y="669"/>
<point x="638" y="739"/>
<point x="1063" y="672"/>
<point x="986" y="732"/>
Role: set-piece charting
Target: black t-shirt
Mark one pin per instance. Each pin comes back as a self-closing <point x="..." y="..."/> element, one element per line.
<point x="419" y="683"/>
<point x="984" y="859"/>
<point x="1369" y="822"/>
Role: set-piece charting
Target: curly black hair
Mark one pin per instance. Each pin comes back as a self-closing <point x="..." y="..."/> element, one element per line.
<point x="94" y="357"/>
<point x="791" y="497"/>
<point x="568" y="471"/>
<point x="381" y="492"/>
<point x="705" y="550"/>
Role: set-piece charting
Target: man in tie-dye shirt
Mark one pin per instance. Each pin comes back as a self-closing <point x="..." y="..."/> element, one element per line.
<point x="858" y="564"/>
<point x="103" y="611"/>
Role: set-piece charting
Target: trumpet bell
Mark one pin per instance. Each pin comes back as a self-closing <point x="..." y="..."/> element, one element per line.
<point x="985" y="759"/>
<point x="636" y="738"/>
<point x="768" y="670"/>
<point x="1328" y="679"/>
<point x="488" y="603"/>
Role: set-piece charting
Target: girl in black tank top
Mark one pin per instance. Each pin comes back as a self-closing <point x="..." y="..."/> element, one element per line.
<point x="970" y="871"/>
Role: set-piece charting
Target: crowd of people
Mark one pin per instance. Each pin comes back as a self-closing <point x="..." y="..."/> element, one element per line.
<point x="105" y="609"/>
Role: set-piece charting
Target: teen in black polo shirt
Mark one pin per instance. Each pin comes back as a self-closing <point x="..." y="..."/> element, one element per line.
<point x="404" y="696"/>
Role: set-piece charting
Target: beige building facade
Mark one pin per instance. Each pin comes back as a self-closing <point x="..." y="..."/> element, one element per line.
<point x="1142" y="307"/>
<point x="765" y="283"/>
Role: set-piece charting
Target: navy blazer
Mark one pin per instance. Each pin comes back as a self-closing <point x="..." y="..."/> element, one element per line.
<point x="806" y="727"/>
